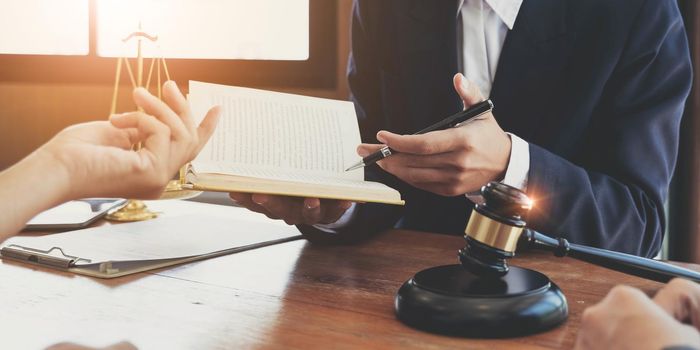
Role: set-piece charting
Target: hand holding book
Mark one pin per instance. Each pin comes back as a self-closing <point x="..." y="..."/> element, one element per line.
<point x="294" y="210"/>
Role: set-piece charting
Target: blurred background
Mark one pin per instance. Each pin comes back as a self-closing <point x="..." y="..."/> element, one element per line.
<point x="57" y="57"/>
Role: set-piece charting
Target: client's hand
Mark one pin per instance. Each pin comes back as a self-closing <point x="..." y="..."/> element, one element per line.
<point x="628" y="319"/>
<point x="294" y="210"/>
<point x="97" y="159"/>
<point x="453" y="161"/>
<point x="681" y="299"/>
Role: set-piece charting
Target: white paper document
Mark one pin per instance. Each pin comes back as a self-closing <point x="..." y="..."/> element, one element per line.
<point x="117" y="250"/>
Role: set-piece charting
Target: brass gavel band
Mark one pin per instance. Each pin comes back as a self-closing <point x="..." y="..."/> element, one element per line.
<point x="493" y="233"/>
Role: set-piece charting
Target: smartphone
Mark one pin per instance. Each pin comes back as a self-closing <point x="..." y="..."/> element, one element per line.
<point x="73" y="215"/>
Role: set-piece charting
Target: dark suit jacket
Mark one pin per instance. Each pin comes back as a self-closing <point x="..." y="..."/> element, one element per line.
<point x="597" y="88"/>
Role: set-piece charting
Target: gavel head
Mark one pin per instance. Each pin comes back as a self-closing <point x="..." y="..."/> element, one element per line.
<point x="493" y="230"/>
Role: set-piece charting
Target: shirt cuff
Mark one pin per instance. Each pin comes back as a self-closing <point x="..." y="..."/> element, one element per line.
<point x="519" y="163"/>
<point x="518" y="167"/>
<point x="342" y="222"/>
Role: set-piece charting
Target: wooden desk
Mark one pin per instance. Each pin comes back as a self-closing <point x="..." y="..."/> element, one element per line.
<point x="294" y="295"/>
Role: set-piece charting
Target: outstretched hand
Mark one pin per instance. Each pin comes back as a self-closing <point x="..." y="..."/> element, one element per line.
<point x="98" y="160"/>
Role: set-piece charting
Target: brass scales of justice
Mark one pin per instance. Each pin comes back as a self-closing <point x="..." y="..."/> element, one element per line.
<point x="136" y="210"/>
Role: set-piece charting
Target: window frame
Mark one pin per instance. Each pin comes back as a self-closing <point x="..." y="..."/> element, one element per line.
<point x="319" y="71"/>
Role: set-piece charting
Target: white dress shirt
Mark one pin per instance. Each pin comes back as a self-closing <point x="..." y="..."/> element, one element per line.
<point x="485" y="24"/>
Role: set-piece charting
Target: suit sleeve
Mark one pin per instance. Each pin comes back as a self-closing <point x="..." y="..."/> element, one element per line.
<point x="613" y="197"/>
<point x="364" y="80"/>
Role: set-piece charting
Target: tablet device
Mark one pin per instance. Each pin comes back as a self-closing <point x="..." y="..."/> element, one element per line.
<point x="73" y="215"/>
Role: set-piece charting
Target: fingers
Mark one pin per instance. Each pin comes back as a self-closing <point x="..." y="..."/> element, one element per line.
<point x="327" y="211"/>
<point x="596" y="317"/>
<point x="157" y="108"/>
<point x="129" y="137"/>
<point x="335" y="210"/>
<point x="177" y="103"/>
<point x="457" y="160"/>
<point x="412" y="175"/>
<point x="365" y="149"/>
<point x="429" y="143"/>
<point x="445" y="181"/>
<point x="207" y="127"/>
<point x="141" y="123"/>
<point x="245" y="200"/>
<point x="311" y="211"/>
<point x="176" y="114"/>
<point x="625" y="318"/>
<point x="293" y="210"/>
<point x="255" y="204"/>
<point x="154" y="134"/>
<point x="107" y="134"/>
<point x="121" y="346"/>
<point x="288" y="209"/>
<point x="407" y="160"/>
<point x="445" y="174"/>
<point x="467" y="90"/>
<point x="681" y="299"/>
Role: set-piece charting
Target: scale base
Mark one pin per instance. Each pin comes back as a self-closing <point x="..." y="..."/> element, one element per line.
<point x="134" y="210"/>
<point x="451" y="300"/>
<point x="175" y="190"/>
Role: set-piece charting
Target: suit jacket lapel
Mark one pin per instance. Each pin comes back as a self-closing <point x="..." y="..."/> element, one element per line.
<point x="530" y="68"/>
<point x="427" y="46"/>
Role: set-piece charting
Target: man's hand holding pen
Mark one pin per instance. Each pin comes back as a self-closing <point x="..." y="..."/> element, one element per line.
<point x="449" y="162"/>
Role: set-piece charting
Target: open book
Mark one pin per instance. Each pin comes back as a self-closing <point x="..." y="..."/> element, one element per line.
<point x="282" y="144"/>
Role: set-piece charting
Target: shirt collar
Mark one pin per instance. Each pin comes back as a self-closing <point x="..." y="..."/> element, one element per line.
<point x="507" y="10"/>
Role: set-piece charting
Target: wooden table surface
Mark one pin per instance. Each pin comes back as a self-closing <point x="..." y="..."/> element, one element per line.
<point x="293" y="295"/>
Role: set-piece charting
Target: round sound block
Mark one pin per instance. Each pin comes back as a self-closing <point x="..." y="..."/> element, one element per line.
<point x="451" y="300"/>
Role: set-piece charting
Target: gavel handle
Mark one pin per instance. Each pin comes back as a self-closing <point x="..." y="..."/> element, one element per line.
<point x="626" y="263"/>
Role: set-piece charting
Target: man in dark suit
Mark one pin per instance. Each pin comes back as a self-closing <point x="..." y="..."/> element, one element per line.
<point x="595" y="89"/>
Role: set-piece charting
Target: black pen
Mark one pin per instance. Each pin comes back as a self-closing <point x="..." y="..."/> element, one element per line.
<point x="454" y="120"/>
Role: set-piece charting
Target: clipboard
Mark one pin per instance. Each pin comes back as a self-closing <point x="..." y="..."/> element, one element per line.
<point x="119" y="250"/>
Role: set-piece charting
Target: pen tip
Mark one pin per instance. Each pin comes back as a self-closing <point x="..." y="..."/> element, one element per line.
<point x="356" y="166"/>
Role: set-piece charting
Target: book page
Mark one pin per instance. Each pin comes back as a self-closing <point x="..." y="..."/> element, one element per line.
<point x="300" y="177"/>
<point x="291" y="134"/>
